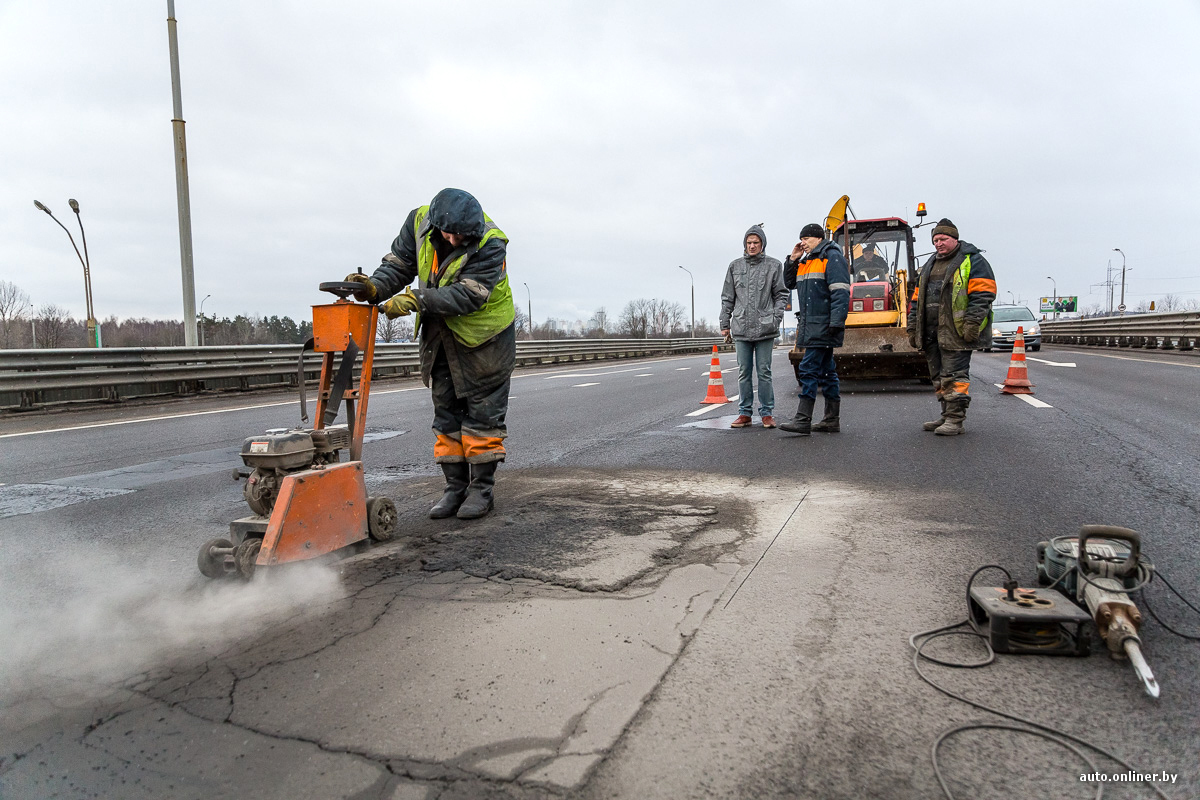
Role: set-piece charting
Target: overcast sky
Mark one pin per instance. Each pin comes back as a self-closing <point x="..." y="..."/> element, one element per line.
<point x="611" y="141"/>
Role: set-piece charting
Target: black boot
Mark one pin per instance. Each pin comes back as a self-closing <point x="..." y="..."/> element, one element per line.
<point x="802" y="422"/>
<point x="832" y="422"/>
<point x="458" y="475"/>
<point x="479" y="494"/>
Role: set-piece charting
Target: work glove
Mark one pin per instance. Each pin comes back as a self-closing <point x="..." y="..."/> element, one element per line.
<point x="368" y="292"/>
<point x="971" y="332"/>
<point x="401" y="305"/>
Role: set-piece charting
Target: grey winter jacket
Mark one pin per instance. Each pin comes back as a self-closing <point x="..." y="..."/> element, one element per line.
<point x="754" y="298"/>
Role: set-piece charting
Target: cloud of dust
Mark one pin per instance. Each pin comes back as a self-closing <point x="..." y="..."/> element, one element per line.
<point x="96" y="622"/>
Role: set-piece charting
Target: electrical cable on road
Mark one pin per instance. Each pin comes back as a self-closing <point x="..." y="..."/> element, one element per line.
<point x="1038" y="729"/>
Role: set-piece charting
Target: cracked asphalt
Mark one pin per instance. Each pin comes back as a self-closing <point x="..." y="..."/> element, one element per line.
<point x="653" y="610"/>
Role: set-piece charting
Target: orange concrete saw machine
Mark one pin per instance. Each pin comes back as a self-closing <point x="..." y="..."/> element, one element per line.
<point x="306" y="500"/>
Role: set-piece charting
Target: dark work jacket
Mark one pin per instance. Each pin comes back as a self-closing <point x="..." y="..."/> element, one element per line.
<point x="822" y="283"/>
<point x="981" y="293"/>
<point x="476" y="371"/>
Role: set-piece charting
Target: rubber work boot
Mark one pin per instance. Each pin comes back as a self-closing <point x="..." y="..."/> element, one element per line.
<point x="479" y="493"/>
<point x="956" y="414"/>
<point x="832" y="422"/>
<point x="458" y="475"/>
<point x="802" y="422"/>
<point x="933" y="426"/>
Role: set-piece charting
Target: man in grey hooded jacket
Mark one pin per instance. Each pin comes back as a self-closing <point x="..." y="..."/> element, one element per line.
<point x="752" y="304"/>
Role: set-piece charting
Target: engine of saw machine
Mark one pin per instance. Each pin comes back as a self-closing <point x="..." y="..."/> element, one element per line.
<point x="280" y="451"/>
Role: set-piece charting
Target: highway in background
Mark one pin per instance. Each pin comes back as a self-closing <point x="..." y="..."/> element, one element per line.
<point x="659" y="606"/>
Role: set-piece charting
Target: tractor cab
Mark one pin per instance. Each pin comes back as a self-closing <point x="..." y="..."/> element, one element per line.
<point x="880" y="255"/>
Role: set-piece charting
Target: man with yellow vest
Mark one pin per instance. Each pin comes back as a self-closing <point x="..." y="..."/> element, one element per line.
<point x="949" y="315"/>
<point x="465" y="320"/>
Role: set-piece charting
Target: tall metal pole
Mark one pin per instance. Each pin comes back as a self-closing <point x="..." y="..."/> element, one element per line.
<point x="202" y="319"/>
<point x="1122" y="252"/>
<point x="1052" y="281"/>
<point x="693" y="279"/>
<point x="92" y="326"/>
<point x="181" y="188"/>
<point x="529" y="299"/>
<point x="87" y="281"/>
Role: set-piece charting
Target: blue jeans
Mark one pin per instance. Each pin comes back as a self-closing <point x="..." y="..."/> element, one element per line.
<point x="748" y="354"/>
<point x="817" y="369"/>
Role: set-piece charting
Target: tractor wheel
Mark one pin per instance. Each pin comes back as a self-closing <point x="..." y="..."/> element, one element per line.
<point x="212" y="565"/>
<point x="245" y="556"/>
<point x="381" y="518"/>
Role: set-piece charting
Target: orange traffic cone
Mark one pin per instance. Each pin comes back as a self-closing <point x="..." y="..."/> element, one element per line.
<point x="716" y="386"/>
<point x="1017" y="381"/>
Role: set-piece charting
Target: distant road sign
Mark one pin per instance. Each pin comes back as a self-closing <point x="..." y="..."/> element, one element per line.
<point x="1121" y="307"/>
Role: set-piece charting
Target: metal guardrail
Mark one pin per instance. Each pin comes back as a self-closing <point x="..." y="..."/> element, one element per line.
<point x="1178" y="330"/>
<point x="31" y="378"/>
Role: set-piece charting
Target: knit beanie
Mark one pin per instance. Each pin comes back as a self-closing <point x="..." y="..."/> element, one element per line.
<point x="947" y="227"/>
<point x="814" y="230"/>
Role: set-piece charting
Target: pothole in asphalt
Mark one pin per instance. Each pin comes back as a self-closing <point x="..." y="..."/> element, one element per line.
<point x="583" y="529"/>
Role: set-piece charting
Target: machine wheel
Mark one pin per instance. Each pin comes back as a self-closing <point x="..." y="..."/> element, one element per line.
<point x="381" y="518"/>
<point x="212" y="565"/>
<point x="245" y="556"/>
<point x="1036" y="348"/>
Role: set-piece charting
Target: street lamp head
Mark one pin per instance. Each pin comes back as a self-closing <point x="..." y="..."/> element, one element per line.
<point x="74" y="204"/>
<point x="41" y="207"/>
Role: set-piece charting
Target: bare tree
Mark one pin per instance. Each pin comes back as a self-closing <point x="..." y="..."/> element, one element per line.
<point x="13" y="302"/>
<point x="635" y="318"/>
<point x="53" y="325"/>
<point x="1170" y="302"/>
<point x="394" y="330"/>
<point x="522" y="323"/>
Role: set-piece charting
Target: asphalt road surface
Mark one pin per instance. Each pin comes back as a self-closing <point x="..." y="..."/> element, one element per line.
<point x="659" y="607"/>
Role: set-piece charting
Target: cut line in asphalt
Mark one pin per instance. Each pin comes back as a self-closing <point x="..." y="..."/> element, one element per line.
<point x="1028" y="398"/>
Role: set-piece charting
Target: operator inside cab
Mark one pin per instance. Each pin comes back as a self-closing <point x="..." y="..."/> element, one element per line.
<point x="870" y="266"/>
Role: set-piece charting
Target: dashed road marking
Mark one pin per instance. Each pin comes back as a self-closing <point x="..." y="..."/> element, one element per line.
<point x="706" y="409"/>
<point x="1028" y="398"/>
<point x="1051" y="363"/>
<point x="645" y="375"/>
<point x="1147" y="360"/>
<point x="581" y="385"/>
<point x="681" y="369"/>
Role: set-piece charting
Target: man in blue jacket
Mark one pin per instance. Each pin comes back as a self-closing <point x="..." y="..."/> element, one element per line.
<point x="817" y="270"/>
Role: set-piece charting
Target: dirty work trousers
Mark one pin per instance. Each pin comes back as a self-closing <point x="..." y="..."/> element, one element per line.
<point x="950" y="372"/>
<point x="817" y="369"/>
<point x="750" y="355"/>
<point x="470" y="428"/>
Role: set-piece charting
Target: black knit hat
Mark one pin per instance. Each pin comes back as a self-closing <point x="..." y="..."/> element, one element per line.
<point x="945" y="226"/>
<point x="814" y="230"/>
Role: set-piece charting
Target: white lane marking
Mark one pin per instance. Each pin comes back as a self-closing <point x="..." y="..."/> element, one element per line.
<point x="645" y="375"/>
<point x="1051" y="363"/>
<point x="581" y="385"/>
<point x="1028" y="398"/>
<point x="590" y="374"/>
<point x="728" y="369"/>
<point x="175" y="416"/>
<point x="1127" y="358"/>
<point x="681" y="369"/>
<point x="707" y="409"/>
<point x="641" y="365"/>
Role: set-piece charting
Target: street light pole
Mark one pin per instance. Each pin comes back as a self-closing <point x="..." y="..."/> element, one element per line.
<point x="1121" y="307"/>
<point x="202" y="319"/>
<point x="87" y="277"/>
<point x="1010" y="297"/>
<point x="693" y="279"/>
<point x="529" y="300"/>
<point x="181" y="188"/>
<point x="1055" y="295"/>
<point x="93" y="328"/>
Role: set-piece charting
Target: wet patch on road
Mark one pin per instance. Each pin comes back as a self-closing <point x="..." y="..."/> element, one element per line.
<point x="30" y="498"/>
<point x="580" y="529"/>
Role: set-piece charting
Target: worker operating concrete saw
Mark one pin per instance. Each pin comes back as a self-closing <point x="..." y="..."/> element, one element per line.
<point x="465" y="320"/>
